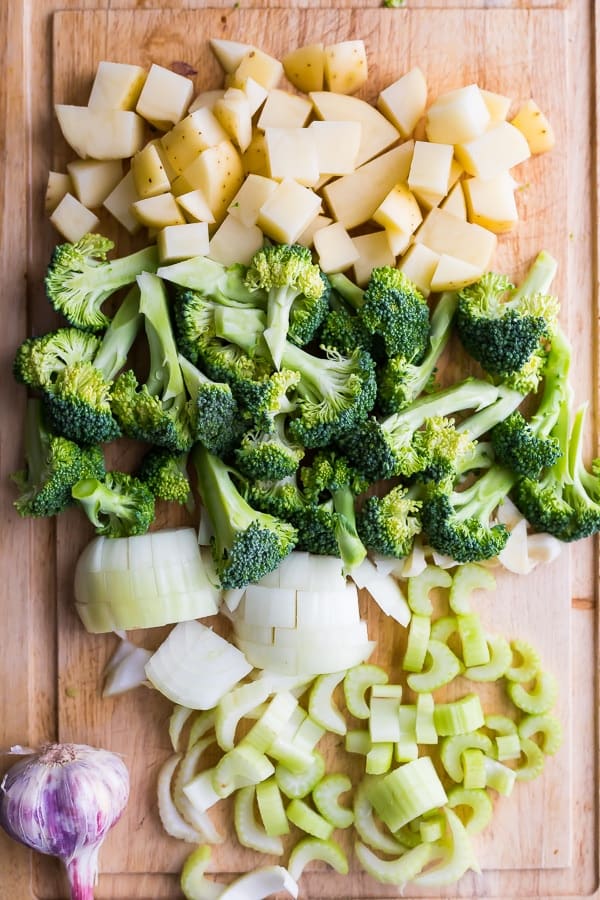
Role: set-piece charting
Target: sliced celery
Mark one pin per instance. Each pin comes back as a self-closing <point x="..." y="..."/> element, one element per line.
<point x="499" y="777"/>
<point x="177" y="722"/>
<point x="530" y="662"/>
<point x="326" y="796"/>
<point x="406" y="750"/>
<point x="384" y="724"/>
<point x="269" y="726"/>
<point x="296" y="785"/>
<point x="432" y="829"/>
<point x="500" y="724"/>
<point x="424" y="724"/>
<point x="443" y="668"/>
<point x="244" y="765"/>
<point x="457" y="856"/>
<point x="499" y="661"/>
<point x="394" y="871"/>
<point x="271" y="808"/>
<point x="358" y="741"/>
<point x="306" y="819"/>
<point x="508" y="746"/>
<point x="420" y="586"/>
<point x="292" y="755"/>
<point x="468" y="578"/>
<point x="310" y="849"/>
<point x="406" y="793"/>
<point x="406" y="746"/>
<point x="366" y="825"/>
<point x="443" y="628"/>
<point x="540" y="699"/>
<point x="478" y="804"/>
<point x="475" y="650"/>
<point x="534" y="761"/>
<point x="548" y="726"/>
<point x="453" y="748"/>
<point x="379" y="758"/>
<point x="308" y="734"/>
<point x="185" y="773"/>
<point x="459" y="716"/>
<point x="234" y="706"/>
<point x="202" y="724"/>
<point x="473" y="768"/>
<point x="200" y="791"/>
<point x="387" y="690"/>
<point x="357" y="682"/>
<point x="249" y="832"/>
<point x="194" y="885"/>
<point x="321" y="706"/>
<point x="416" y="647"/>
<point x="409" y="835"/>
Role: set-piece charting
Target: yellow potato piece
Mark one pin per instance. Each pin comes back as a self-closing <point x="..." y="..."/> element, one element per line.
<point x="536" y="128"/>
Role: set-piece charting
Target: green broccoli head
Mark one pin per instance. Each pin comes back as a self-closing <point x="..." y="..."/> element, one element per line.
<point x="268" y="455"/>
<point x="444" y="449"/>
<point x="282" y="498"/>
<point x="389" y="524"/>
<point x="396" y="311"/>
<point x="215" y="418"/>
<point x="120" y="505"/>
<point x="194" y="321"/>
<point x="39" y="359"/>
<point x="344" y="331"/>
<point x="266" y="399"/>
<point x="165" y="473"/>
<point x="517" y="446"/>
<point x="317" y="525"/>
<point x="78" y="405"/>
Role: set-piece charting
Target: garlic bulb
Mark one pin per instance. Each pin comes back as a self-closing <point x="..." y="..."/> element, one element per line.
<point x="62" y="800"/>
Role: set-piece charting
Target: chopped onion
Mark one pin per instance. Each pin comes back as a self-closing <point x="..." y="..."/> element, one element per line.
<point x="125" y="670"/>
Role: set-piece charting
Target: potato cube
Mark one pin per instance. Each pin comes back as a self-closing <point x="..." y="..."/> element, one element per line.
<point x="288" y="211"/>
<point x="305" y="67"/>
<point x="218" y="173"/>
<point x="59" y="184"/>
<point x="195" y="207"/>
<point x="165" y="97"/>
<point x="149" y="173"/>
<point x="399" y="241"/>
<point x="254" y="159"/>
<point x="292" y="153"/>
<point x="446" y="234"/>
<point x="261" y="67"/>
<point x="229" y="53"/>
<point x="335" y="248"/>
<point x="451" y="274"/>
<point x="308" y="235"/>
<point x="456" y="170"/>
<point x="186" y="140"/>
<point x="374" y="250"/>
<point x="234" y="242"/>
<point x="206" y="100"/>
<point x="101" y="133"/>
<point x="250" y="198"/>
<point x="491" y="202"/>
<point x="93" y="179"/>
<point x="500" y="148"/>
<point x="337" y="146"/>
<point x="234" y="114"/>
<point x="497" y="105"/>
<point x="455" y="202"/>
<point x="255" y="93"/>
<point x="457" y="116"/>
<point x="283" y="109"/>
<point x="404" y="101"/>
<point x="536" y="128"/>
<point x="430" y="169"/>
<point x="399" y="210"/>
<point x="119" y="201"/>
<point x="158" y="212"/>
<point x="177" y="242"/>
<point x="73" y="219"/>
<point x="116" y="86"/>
<point x="419" y="263"/>
<point x="346" y="68"/>
<point x="377" y="133"/>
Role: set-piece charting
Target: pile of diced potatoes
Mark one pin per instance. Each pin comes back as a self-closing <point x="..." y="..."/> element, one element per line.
<point x="425" y="187"/>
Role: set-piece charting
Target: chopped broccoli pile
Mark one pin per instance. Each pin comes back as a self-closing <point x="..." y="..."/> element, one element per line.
<point x="119" y="505"/>
<point x="165" y="473"/>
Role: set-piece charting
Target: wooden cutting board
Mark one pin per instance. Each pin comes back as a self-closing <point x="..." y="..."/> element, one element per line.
<point x="500" y="50"/>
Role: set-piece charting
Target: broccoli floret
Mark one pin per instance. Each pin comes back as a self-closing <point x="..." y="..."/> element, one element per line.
<point x="158" y="411"/>
<point x="165" y="473"/>
<point x="282" y="498"/>
<point x="343" y="330"/>
<point x="53" y="464"/>
<point x="268" y="455"/>
<point x="120" y="505"/>
<point x="247" y="543"/>
<point x="389" y="524"/>
<point x="225" y="284"/>
<point x="503" y="328"/>
<point x="582" y="491"/>
<point x="397" y="312"/>
<point x="215" y="418"/>
<point x="80" y="278"/>
<point x="39" y="359"/>
<point x="297" y="294"/>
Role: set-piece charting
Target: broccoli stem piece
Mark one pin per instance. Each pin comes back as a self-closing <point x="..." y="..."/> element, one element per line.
<point x="352" y="549"/>
<point x="225" y="284"/>
<point x="242" y="327"/>
<point x="119" y="336"/>
<point x="538" y="279"/>
<point x="350" y="292"/>
<point x="486" y="419"/>
<point x="582" y="490"/>
<point x="119" y="506"/>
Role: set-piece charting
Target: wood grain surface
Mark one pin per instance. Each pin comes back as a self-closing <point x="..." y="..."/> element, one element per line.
<point x="49" y="686"/>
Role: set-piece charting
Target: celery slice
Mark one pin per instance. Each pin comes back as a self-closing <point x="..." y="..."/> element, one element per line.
<point x="459" y="716"/>
<point x="321" y="706"/>
<point x="475" y="651"/>
<point x="269" y="726"/>
<point x="379" y="758"/>
<point x="200" y="791"/>
<point x="271" y="808"/>
<point x="309" y="849"/>
<point x="308" y="734"/>
<point x="499" y="661"/>
<point x="453" y="748"/>
<point x="406" y="750"/>
<point x="534" y="761"/>
<point x="548" y="726"/>
<point x="357" y="682"/>
<point x="473" y="768"/>
<point x="406" y="746"/>
<point x="443" y="628"/>
<point x="177" y="723"/>
<point x="172" y="820"/>
<point x="366" y="825"/>
<point x="540" y="699"/>
<point x="478" y="804"/>
<point x="456" y="859"/>
<point x="432" y="829"/>
<point x="290" y="754"/>
<point x="394" y="871"/>
<point x="468" y="578"/>
<point x="443" y="668"/>
<point x="305" y="818"/>
<point x="194" y="885"/>
<point x="199" y="820"/>
<point x="204" y="721"/>
<point x="407" y="792"/>
<point x="358" y="741"/>
<point x="417" y="644"/>
<point x="420" y="586"/>
<point x="409" y="835"/>
<point x="529" y="665"/>
<point x="244" y="765"/>
<point x="234" y="706"/>
<point x="424" y="724"/>
<point x="249" y="832"/>
<point x="326" y="796"/>
<point x="384" y="722"/>
<point x="296" y="785"/>
<point x="387" y="690"/>
<point x="502" y="725"/>
<point x="508" y="746"/>
<point x="499" y="777"/>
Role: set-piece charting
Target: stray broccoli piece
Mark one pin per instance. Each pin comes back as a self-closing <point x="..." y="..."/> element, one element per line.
<point x="52" y="466"/>
<point x="80" y="278"/>
<point x="582" y="491"/>
<point x="215" y="418"/>
<point x="297" y="294"/>
<point x="395" y="311"/>
<point x="158" y="411"/>
<point x="165" y="473"/>
<point x="118" y="506"/>
<point x="225" y="284"/>
<point x="389" y="524"/>
<point x="247" y="543"/>
<point x="503" y="328"/>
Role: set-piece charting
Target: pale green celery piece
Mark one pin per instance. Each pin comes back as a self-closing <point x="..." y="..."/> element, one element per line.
<point x="409" y="835"/>
<point x="309" y="849"/>
<point x="202" y="724"/>
<point x="420" y="586"/>
<point x="416" y="648"/>
<point x="534" y="761"/>
<point x="405" y="750"/>
<point x="459" y="716"/>
<point x="478" y="804"/>
<point x="424" y="724"/>
<point x="475" y="651"/>
<point x="306" y="819"/>
<point x="357" y="682"/>
<point x="308" y="734"/>
<point x="502" y="725"/>
<point x="249" y="832"/>
<point x="508" y="746"/>
<point x="500" y="656"/>
<point x="529" y="665"/>
<point x="321" y="705"/>
<point x="457" y="856"/>
<point x="468" y="578"/>
<point x="271" y="808"/>
<point x="358" y="741"/>
<point x="432" y="829"/>
<point x="548" y="726"/>
<point x="443" y="668"/>
<point x="366" y="825"/>
<point x="290" y="754"/>
<point x="200" y="791"/>
<point x="177" y="723"/>
<point x="387" y="690"/>
<point x="326" y="797"/>
<point x="407" y="792"/>
<point x="453" y="748"/>
<point x="540" y="699"/>
<point x="384" y="723"/>
<point x="194" y="885"/>
<point x="244" y="765"/>
<point x="185" y="774"/>
<point x="394" y="871"/>
<point x="233" y="706"/>
<point x="499" y="777"/>
<point x="443" y="628"/>
<point x="473" y="768"/>
<point x="270" y="724"/>
<point x="379" y="758"/>
<point x="296" y="785"/>
<point x="406" y="746"/>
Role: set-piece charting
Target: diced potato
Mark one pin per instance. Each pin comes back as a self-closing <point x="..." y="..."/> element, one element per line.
<point x="446" y="234"/>
<point x="399" y="210"/>
<point x="234" y="242"/>
<point x="186" y="140"/>
<point x="536" y="128"/>
<point x="229" y="53"/>
<point x="456" y="170"/>
<point x="354" y="198"/>
<point x="101" y="133"/>
<point x="119" y="201"/>
<point x="283" y="109"/>
<point x="404" y="101"/>
<point x="335" y="248"/>
<point x="73" y="219"/>
<point x="165" y="97"/>
<point x="494" y="152"/>
<point x="399" y="241"/>
<point x="158" y="212"/>
<point x="169" y="170"/>
<point x="457" y="116"/>
<point x="430" y="169"/>
<point x="292" y="153"/>
<point x="497" y="105"/>
<point x="305" y="67"/>
<point x="337" y="146"/>
<point x="195" y="207"/>
<point x="346" y="68"/>
<point x="455" y="202"/>
<point x="308" y="235"/>
<point x="374" y="250"/>
<point x="255" y="93"/>
<point x="234" y="114"/>
<point x="177" y="242"/>
<point x="94" y="179"/>
<point x="491" y="202"/>
<point x="255" y="159"/>
<point x="218" y="173"/>
<point x="377" y="133"/>
<point x="248" y="201"/>
<point x="258" y="65"/>
<point x="59" y="184"/>
<point x="419" y="263"/>
<point x="116" y="86"/>
<point x="206" y="100"/>
<point x="149" y="174"/>
<point x="451" y="274"/>
<point x="288" y="211"/>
